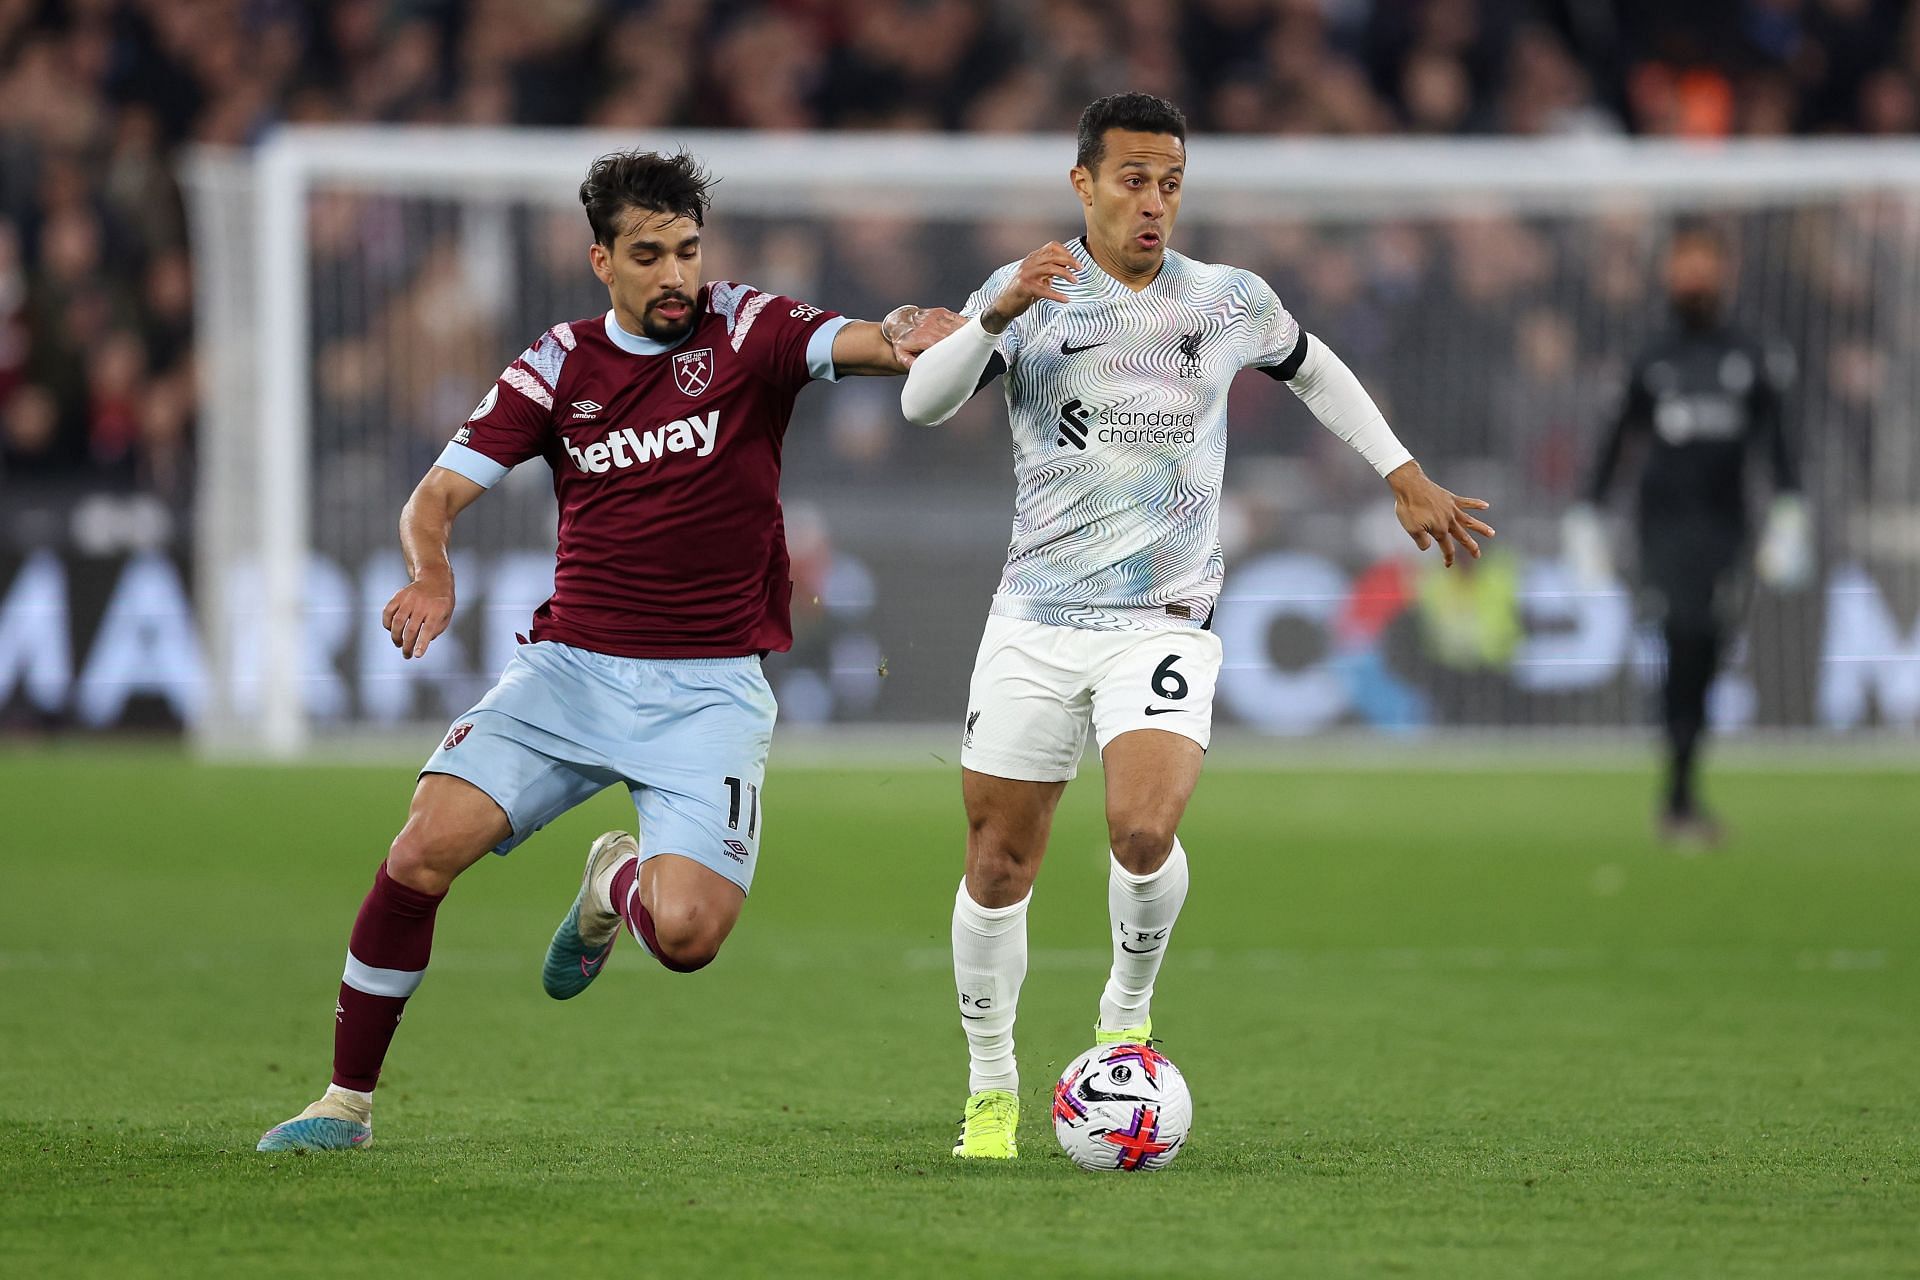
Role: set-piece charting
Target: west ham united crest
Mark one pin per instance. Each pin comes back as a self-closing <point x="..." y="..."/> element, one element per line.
<point x="693" y="371"/>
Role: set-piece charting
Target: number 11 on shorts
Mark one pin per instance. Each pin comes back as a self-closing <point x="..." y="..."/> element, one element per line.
<point x="752" y="792"/>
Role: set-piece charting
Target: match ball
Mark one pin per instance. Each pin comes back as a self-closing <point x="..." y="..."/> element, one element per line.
<point x="1122" y="1108"/>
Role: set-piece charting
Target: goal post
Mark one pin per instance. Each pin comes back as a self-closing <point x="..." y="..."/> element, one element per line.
<point x="358" y="287"/>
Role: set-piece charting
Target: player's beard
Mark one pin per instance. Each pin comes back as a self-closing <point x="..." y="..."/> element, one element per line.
<point x="660" y="329"/>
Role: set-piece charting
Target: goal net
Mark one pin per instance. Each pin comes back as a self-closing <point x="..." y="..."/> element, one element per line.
<point x="360" y="288"/>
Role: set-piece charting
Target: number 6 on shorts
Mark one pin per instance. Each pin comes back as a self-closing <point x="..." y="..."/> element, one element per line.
<point x="1178" y="670"/>
<point x="1168" y="683"/>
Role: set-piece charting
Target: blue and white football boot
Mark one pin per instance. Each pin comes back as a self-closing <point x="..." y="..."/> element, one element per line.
<point x="336" y="1122"/>
<point x="585" y="939"/>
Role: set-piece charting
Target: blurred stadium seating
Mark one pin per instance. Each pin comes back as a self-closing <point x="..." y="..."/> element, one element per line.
<point x="1494" y="337"/>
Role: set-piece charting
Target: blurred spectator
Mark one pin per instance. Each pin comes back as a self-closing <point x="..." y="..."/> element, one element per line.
<point x="97" y="97"/>
<point x="30" y="438"/>
<point x="13" y="306"/>
<point x="116" y="371"/>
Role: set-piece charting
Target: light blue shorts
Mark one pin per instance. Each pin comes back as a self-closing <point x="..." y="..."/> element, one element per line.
<point x="688" y="737"/>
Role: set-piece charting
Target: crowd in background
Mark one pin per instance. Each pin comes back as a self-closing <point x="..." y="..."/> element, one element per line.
<point x="97" y="98"/>
<point x="1497" y="341"/>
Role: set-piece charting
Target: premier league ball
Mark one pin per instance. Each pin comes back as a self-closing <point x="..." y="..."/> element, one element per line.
<point x="1122" y="1107"/>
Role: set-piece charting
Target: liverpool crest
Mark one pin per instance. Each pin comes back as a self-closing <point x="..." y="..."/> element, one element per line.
<point x="1190" y="353"/>
<point x="693" y="371"/>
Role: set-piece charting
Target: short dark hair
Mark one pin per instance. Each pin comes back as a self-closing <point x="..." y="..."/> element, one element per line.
<point x="1135" y="112"/>
<point x="623" y="180"/>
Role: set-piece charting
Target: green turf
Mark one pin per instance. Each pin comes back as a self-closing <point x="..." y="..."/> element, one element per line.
<point x="1437" y="1025"/>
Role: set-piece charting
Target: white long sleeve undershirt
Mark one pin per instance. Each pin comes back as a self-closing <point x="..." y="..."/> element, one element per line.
<point x="948" y="373"/>
<point x="1325" y="385"/>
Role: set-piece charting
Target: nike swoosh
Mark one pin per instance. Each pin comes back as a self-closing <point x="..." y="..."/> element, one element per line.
<point x="1068" y="349"/>
<point x="1162" y="711"/>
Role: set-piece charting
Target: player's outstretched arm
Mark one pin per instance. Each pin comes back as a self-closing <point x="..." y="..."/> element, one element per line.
<point x="1430" y="514"/>
<point x="421" y="610"/>
<point x="942" y="380"/>
<point x="891" y="346"/>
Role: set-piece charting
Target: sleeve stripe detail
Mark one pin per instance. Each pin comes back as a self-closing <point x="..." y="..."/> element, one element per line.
<point x="820" y="349"/>
<point x="564" y="332"/>
<point x="546" y="358"/>
<point x="527" y="385"/>
<point x="473" y="464"/>
<point x="528" y="362"/>
<point x="1291" y="365"/>
<point x="723" y="299"/>
<point x="748" y="314"/>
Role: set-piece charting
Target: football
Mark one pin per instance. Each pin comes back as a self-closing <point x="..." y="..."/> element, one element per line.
<point x="1122" y="1107"/>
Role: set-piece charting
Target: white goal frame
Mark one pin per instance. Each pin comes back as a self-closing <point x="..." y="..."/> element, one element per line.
<point x="252" y="254"/>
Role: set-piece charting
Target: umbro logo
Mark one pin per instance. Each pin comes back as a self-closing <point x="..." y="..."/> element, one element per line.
<point x="736" y="850"/>
<point x="583" y="409"/>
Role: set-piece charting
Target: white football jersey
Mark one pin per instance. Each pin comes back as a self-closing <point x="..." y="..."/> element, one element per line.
<point x="1118" y="404"/>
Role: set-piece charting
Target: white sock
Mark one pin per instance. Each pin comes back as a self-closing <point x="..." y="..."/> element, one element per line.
<point x="361" y="1104"/>
<point x="1142" y="910"/>
<point x="989" y="963"/>
<point x="601" y="894"/>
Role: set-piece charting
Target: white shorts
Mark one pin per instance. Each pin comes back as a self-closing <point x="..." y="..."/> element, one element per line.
<point x="1036" y="688"/>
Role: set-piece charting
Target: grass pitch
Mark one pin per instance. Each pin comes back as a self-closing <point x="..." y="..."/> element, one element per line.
<point x="1437" y="1025"/>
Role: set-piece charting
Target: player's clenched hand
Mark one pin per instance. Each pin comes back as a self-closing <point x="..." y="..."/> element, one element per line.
<point x="418" y="613"/>
<point x="1430" y="514"/>
<point x="911" y="330"/>
<point x="1032" y="282"/>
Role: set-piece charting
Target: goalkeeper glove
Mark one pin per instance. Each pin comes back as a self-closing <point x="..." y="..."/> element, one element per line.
<point x="1584" y="549"/>
<point x="1785" y="558"/>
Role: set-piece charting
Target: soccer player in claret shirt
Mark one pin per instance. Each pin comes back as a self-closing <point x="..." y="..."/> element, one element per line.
<point x="1118" y="353"/>
<point x="662" y="422"/>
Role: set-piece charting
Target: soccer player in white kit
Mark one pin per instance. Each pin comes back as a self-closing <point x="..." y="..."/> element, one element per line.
<point x="1117" y="354"/>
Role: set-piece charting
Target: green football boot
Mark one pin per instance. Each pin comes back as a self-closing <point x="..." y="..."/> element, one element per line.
<point x="990" y="1130"/>
<point x="1141" y="1034"/>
